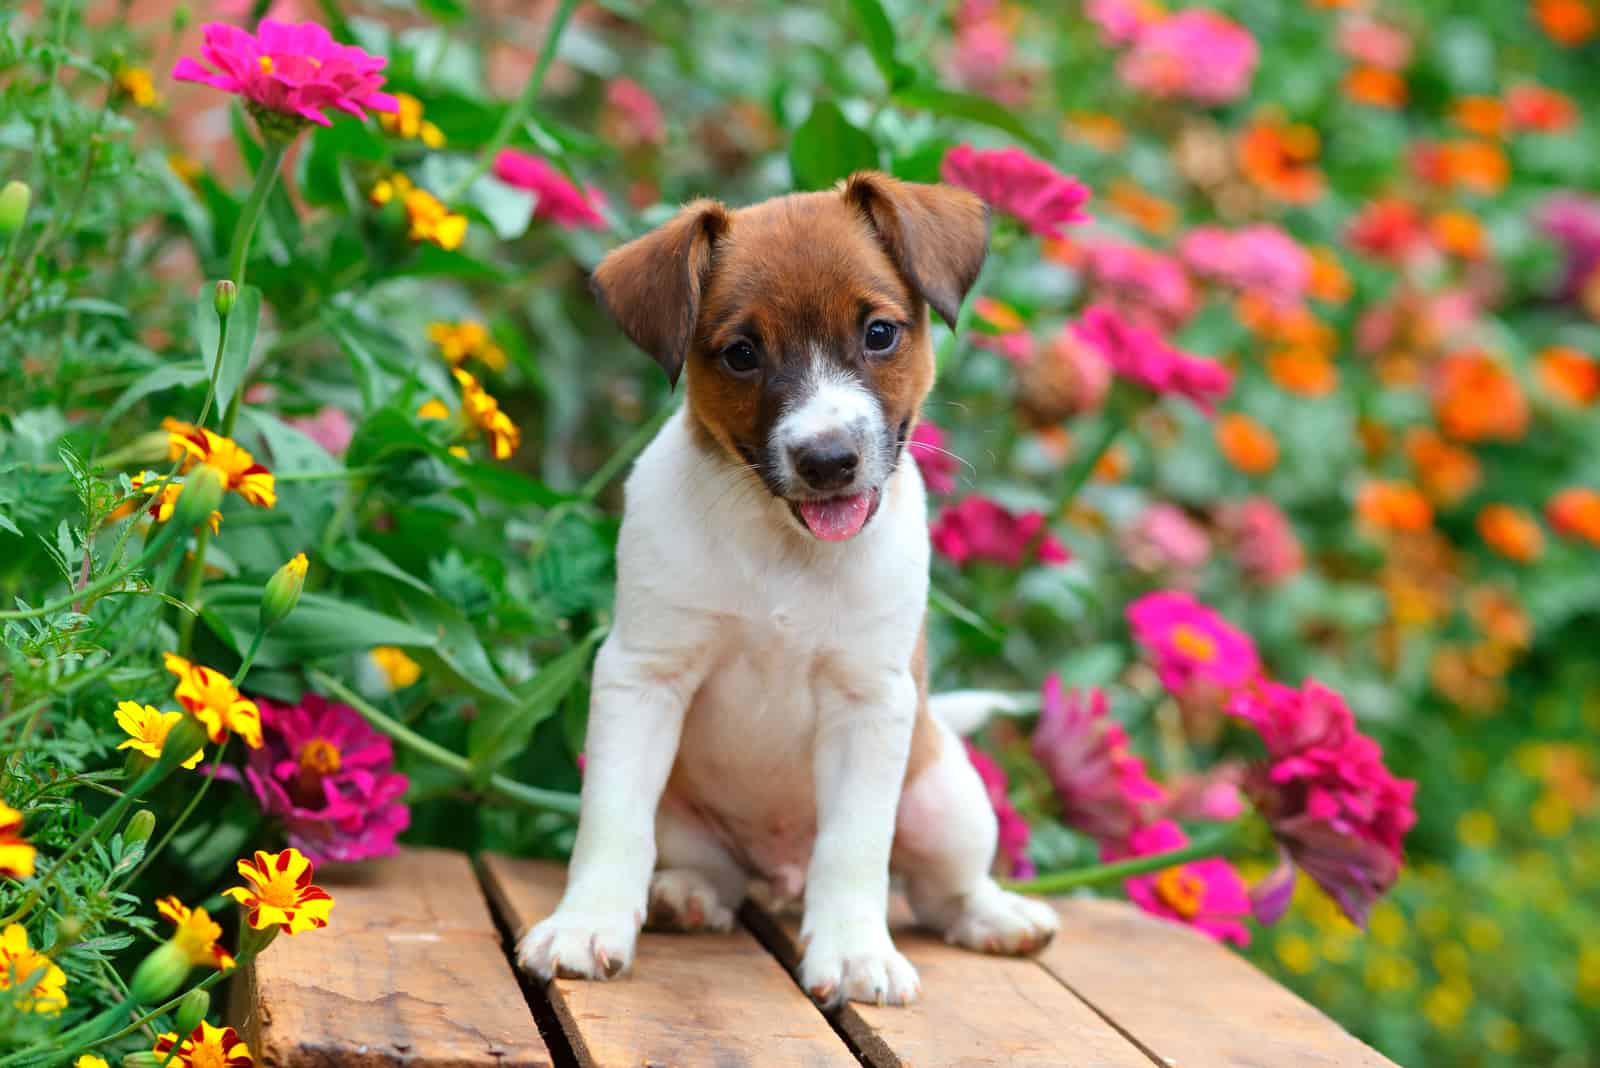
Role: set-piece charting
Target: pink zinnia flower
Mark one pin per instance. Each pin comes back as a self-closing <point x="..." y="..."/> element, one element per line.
<point x="1208" y="895"/>
<point x="1014" y="830"/>
<point x="289" y="69"/>
<point x="638" y="113"/>
<point x="1165" y="539"/>
<point x="330" y="427"/>
<point x="980" y="529"/>
<point x="1262" y="539"/>
<point x="330" y="778"/>
<point x="1194" y="649"/>
<point x="1194" y="54"/>
<point x="1103" y="787"/>
<point x="559" y="201"/>
<point x="1573" y="222"/>
<point x="1023" y="186"/>
<point x="937" y="464"/>
<point x="1139" y="355"/>
<point x="1142" y="284"/>
<point x="1120" y="21"/>
<point x="1338" y="813"/>
<point x="1259" y="259"/>
<point x="1375" y="44"/>
<point x="1212" y="795"/>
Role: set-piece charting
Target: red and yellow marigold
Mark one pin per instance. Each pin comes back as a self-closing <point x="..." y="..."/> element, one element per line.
<point x="206" y="1047"/>
<point x="16" y="854"/>
<point x="280" y="893"/>
<point x="147" y="728"/>
<point x="235" y="466"/>
<point x="212" y="699"/>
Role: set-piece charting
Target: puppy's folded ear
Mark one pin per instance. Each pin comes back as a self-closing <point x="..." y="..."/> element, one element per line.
<point x="937" y="235"/>
<point x="651" y="286"/>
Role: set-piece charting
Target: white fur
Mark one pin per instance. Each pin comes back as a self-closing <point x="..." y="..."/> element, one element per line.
<point x="833" y="402"/>
<point x="768" y="674"/>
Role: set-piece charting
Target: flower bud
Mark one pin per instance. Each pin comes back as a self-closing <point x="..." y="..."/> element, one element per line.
<point x="69" y="932"/>
<point x="224" y="296"/>
<point x="159" y="974"/>
<point x="144" y="1059"/>
<point x="187" y="737"/>
<point x="140" y="827"/>
<point x="283" y="591"/>
<point x="191" y="1010"/>
<point x="13" y="207"/>
<point x="202" y="492"/>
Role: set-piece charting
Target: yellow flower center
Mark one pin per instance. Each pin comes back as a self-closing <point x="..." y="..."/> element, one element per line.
<point x="280" y="891"/>
<point x="209" y="1053"/>
<point x="319" y="757"/>
<point x="1181" y="891"/>
<point x="266" y="64"/>
<point x="1194" y="643"/>
<point x="195" y="936"/>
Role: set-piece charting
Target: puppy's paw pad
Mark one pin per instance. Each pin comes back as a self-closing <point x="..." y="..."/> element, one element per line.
<point x="998" y="921"/>
<point x="875" y="976"/>
<point x="682" y="899"/>
<point x="579" y="946"/>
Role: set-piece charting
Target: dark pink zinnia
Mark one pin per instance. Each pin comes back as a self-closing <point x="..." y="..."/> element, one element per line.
<point x="559" y="201"/>
<point x="1014" y="830"/>
<point x="1138" y="354"/>
<point x="937" y="463"/>
<point x="1103" y="787"/>
<point x="1023" y="186"/>
<point x="1207" y="895"/>
<point x="980" y="529"/>
<point x="1193" y="648"/>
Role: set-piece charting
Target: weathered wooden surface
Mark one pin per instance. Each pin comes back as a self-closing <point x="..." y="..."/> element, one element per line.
<point x="411" y="972"/>
<point x="1187" y="1001"/>
<point x="703" y="999"/>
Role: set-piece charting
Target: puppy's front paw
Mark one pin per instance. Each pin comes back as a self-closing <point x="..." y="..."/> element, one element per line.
<point x="682" y="899"/>
<point x="857" y="965"/>
<point x="997" y="921"/>
<point x="580" y="945"/>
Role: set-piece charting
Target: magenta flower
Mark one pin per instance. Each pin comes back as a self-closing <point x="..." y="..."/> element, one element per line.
<point x="1120" y="21"/>
<point x="639" y="114"/>
<point x="1207" y="895"/>
<point x="1573" y="222"/>
<point x="1195" y="650"/>
<point x="295" y="70"/>
<point x="937" y="464"/>
<point x="1262" y="540"/>
<point x="1259" y="259"/>
<point x="1023" y="186"/>
<point x="1165" y="540"/>
<point x="1142" y="284"/>
<point x="1014" y="830"/>
<point x="1195" y="55"/>
<point x="979" y="529"/>
<point x="1138" y="355"/>
<point x="330" y="778"/>
<point x="1338" y="813"/>
<point x="330" y="427"/>
<point x="1102" y="785"/>
<point x="559" y="201"/>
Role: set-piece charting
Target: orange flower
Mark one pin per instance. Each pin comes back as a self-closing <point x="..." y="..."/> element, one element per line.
<point x="1533" y="107"/>
<point x="1113" y="465"/>
<point x="166" y="497"/>
<point x="1568" y="22"/>
<point x="1570" y="375"/>
<point x="1478" y="166"/>
<point x="1375" y="87"/>
<point x="1145" y="210"/>
<point x="1393" y="506"/>
<point x="998" y="314"/>
<point x="1475" y="399"/>
<point x="1098" y="131"/>
<point x="238" y="469"/>
<point x="1246" y="444"/>
<point x="281" y="893"/>
<point x="1511" y="532"/>
<point x="1330" y="283"/>
<point x="1459" y="234"/>
<point x="16" y="855"/>
<point x="1281" y="159"/>
<point x="1575" y="513"/>
<point x="1500" y="617"/>
<point x="206" y="1047"/>
<point x="196" y="935"/>
<point x="211" y="698"/>
<point x="1305" y="371"/>
<point x="1481" y="115"/>
<point x="484" y="411"/>
<point x="1447" y="472"/>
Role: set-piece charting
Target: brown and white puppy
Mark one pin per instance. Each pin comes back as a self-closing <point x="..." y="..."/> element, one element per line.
<point x="760" y="707"/>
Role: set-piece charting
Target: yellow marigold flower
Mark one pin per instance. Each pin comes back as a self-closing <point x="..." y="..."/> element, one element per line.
<point x="147" y="730"/>
<point x="1446" y="1005"/>
<point x="434" y="409"/>
<point x="206" y="1047"/>
<point x="432" y="221"/>
<point x="215" y="703"/>
<point x="43" y="985"/>
<point x="166" y="497"/>
<point x="281" y="893"/>
<point x="390" y="188"/>
<point x="196" y="935"/>
<point x="16" y="855"/>
<point x="407" y="122"/>
<point x="469" y="338"/>
<point x="89" y="1060"/>
<point x="238" y="469"/>
<point x="397" y="667"/>
<point x="484" y="412"/>
<point x="139" y="86"/>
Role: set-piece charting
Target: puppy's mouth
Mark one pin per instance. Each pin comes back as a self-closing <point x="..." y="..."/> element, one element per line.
<point x="837" y="518"/>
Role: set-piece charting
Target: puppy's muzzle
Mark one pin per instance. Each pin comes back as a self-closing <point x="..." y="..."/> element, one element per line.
<point x="827" y="463"/>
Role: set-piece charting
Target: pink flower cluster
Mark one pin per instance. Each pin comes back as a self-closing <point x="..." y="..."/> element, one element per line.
<point x="1139" y="355"/>
<point x="559" y="201"/>
<point x="1164" y="540"/>
<point x="937" y="464"/>
<point x="1023" y="186"/>
<point x="1208" y="895"/>
<point x="980" y="529"/>
<point x="295" y="70"/>
<point x="1262" y="539"/>
<point x="1260" y="259"/>
<point x="1195" y="54"/>
<point x="1141" y="284"/>
<point x="1014" y="830"/>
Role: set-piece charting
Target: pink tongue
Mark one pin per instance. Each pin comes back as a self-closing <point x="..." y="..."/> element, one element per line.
<point x="837" y="518"/>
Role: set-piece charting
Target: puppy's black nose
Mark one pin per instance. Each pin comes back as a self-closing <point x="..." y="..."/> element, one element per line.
<point x="827" y="463"/>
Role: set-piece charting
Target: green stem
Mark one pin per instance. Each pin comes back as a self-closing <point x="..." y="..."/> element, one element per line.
<point x="216" y="367"/>
<point x="100" y="585"/>
<point x="1081" y="470"/>
<point x="330" y="476"/>
<point x="1216" y="843"/>
<point x="518" y="111"/>
<point x="272" y="156"/>
<point x="191" y="590"/>
<point x="508" y="789"/>
<point x="188" y="810"/>
<point x="625" y="455"/>
<point x="249" y="657"/>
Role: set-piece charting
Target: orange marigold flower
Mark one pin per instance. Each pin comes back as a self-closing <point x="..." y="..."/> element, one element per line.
<point x="1330" y="282"/>
<point x="1145" y="210"/>
<point x="1459" y="234"/>
<point x="398" y="669"/>
<point x="166" y="497"/>
<point x="206" y="1047"/>
<point x="281" y="893"/>
<point x="1246" y="444"/>
<point x="1376" y="87"/>
<point x="1095" y="129"/>
<point x="196" y="935"/>
<point x="1281" y="158"/>
<point x="484" y="412"/>
<point x="147" y="728"/>
<point x="466" y="339"/>
<point x="1475" y="399"/>
<point x="1511" y="532"/>
<point x="1308" y="372"/>
<point x="1481" y="115"/>
<point x="1447" y="472"/>
<point x="1575" y="513"/>
<point x="1567" y="22"/>
<point x="1478" y="166"/>
<point x="1394" y="506"/>
<point x="1499" y="616"/>
<point x="1571" y="375"/>
<point x="211" y="698"/>
<point x="1533" y="107"/>
<point x="237" y="468"/>
<point x="16" y="855"/>
<point x="407" y="122"/>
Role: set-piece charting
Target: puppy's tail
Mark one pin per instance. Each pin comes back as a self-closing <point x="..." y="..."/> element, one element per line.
<point x="964" y="711"/>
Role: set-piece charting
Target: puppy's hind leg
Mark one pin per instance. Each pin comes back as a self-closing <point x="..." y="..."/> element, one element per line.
<point x="945" y="839"/>
<point x="697" y="885"/>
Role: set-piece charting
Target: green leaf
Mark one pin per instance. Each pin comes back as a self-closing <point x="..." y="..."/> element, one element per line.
<point x="455" y="647"/>
<point x="166" y="376"/>
<point x="320" y="183"/>
<point x="321" y="626"/>
<point x="499" y="734"/>
<point x="242" y="324"/>
<point x="977" y="109"/>
<point x="826" y="148"/>
<point x="880" y="37"/>
<point x="356" y="557"/>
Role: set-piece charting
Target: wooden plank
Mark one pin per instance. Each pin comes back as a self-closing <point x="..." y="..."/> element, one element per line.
<point x="701" y="999"/>
<point x="976" y="1010"/>
<point x="411" y="972"/>
<point x="1187" y="1001"/>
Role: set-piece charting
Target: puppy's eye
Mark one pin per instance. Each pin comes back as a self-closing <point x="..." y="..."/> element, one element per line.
<point x="881" y="336"/>
<point x="741" y="357"/>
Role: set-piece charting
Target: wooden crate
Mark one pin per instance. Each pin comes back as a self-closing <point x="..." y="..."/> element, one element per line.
<point x="415" y="971"/>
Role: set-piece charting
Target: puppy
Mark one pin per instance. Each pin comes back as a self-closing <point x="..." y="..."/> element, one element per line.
<point x="760" y="707"/>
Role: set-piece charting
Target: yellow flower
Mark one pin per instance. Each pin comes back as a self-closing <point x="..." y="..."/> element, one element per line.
<point x="140" y="87"/>
<point x="215" y="703"/>
<point x="237" y="468"/>
<point x="166" y="497"/>
<point x="484" y="412"/>
<point x="408" y="122"/>
<point x="206" y="1046"/>
<point x="397" y="667"/>
<point x="89" y="1060"/>
<point x="281" y="893"/>
<point x="1296" y="954"/>
<point x="431" y="221"/>
<point x="148" y="728"/>
<point x="16" y="855"/>
<point x="43" y="985"/>
<point x="1387" y="924"/>
<point x="1446" y="1005"/>
<point x="468" y="338"/>
<point x="1476" y="829"/>
<point x="196" y="935"/>
<point x="387" y="189"/>
<point x="434" y="409"/>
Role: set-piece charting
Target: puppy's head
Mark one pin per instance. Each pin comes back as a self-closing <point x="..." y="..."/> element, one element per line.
<point x="802" y="325"/>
